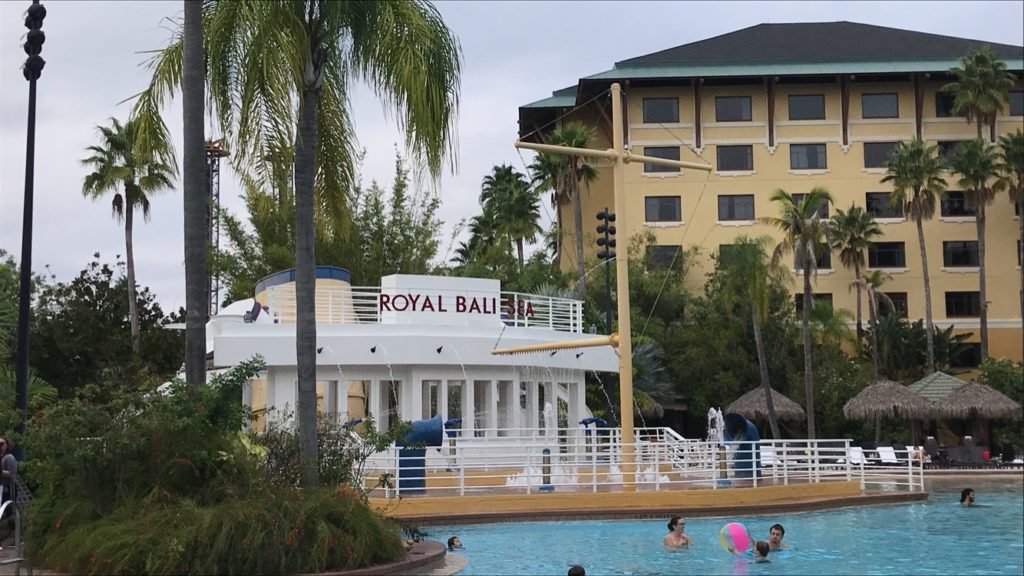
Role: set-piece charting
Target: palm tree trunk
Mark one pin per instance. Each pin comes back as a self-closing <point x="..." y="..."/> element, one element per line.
<point x="873" y="318"/>
<point x="133" y="304"/>
<point x="762" y="362"/>
<point x="559" y="232"/>
<point x="808" y="369"/>
<point x="1020" y="249"/>
<point x="305" y="285"/>
<point x="927" y="297"/>
<point x="581" y="272"/>
<point x="860" y="327"/>
<point x="983" y="320"/>
<point x="519" y="249"/>
<point x="195" y="196"/>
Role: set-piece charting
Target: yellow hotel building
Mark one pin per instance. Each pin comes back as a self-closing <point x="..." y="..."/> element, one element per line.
<point x="795" y="106"/>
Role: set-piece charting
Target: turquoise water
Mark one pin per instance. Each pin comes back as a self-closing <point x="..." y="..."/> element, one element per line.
<point x="933" y="537"/>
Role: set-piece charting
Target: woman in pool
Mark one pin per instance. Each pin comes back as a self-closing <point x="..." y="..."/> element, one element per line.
<point x="675" y="537"/>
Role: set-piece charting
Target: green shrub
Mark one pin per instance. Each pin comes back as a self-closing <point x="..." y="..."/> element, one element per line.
<point x="167" y="483"/>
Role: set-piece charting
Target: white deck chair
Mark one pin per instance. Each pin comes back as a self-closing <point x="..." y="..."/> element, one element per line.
<point x="887" y="455"/>
<point x="856" y="455"/>
<point x="767" y="456"/>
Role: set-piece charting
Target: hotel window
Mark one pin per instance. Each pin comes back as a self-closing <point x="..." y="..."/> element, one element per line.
<point x="879" y="106"/>
<point x="899" y="305"/>
<point x="733" y="158"/>
<point x="948" y="148"/>
<point x="963" y="304"/>
<point x="1017" y="103"/>
<point x="822" y="208"/>
<point x="798" y="300"/>
<point x="666" y="152"/>
<point x="944" y="104"/>
<point x="960" y="254"/>
<point x="823" y="257"/>
<point x="807" y="107"/>
<point x="968" y="356"/>
<point x="954" y="204"/>
<point x="661" y="110"/>
<point x="662" y="255"/>
<point x="732" y="109"/>
<point x="879" y="207"/>
<point x="663" y="209"/>
<point x="876" y="154"/>
<point x="887" y="255"/>
<point x="807" y="157"/>
<point x="735" y="207"/>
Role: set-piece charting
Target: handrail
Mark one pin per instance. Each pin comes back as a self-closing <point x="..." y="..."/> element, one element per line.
<point x="18" y="558"/>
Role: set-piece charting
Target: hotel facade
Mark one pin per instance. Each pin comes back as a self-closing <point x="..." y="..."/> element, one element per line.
<point x="796" y="106"/>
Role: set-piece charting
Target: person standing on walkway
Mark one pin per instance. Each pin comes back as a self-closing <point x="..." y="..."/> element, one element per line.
<point x="9" y="468"/>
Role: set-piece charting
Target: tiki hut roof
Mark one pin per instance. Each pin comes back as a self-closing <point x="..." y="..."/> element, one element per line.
<point x="753" y="405"/>
<point x="885" y="398"/>
<point x="936" y="386"/>
<point x="974" y="399"/>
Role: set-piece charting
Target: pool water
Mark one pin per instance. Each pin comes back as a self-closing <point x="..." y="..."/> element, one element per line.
<point x="933" y="537"/>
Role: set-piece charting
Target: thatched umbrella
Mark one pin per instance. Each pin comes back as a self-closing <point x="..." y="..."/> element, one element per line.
<point x="887" y="399"/>
<point x="753" y="405"/>
<point x="974" y="399"/>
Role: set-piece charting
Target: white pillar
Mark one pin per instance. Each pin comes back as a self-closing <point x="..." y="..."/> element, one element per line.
<point x="412" y="398"/>
<point x="532" y="393"/>
<point x="373" y="408"/>
<point x="492" y="407"/>
<point x="468" y="407"/>
<point x="442" y="399"/>
<point x="513" y="409"/>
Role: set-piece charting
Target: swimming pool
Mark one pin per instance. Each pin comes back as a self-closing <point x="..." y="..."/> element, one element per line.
<point x="933" y="537"/>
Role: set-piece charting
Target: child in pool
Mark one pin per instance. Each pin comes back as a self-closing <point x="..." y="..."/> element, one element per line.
<point x="761" y="551"/>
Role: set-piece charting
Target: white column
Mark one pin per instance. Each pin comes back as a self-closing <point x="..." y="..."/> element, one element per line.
<point x="492" y="406"/>
<point x="512" y="408"/>
<point x="412" y="398"/>
<point x="373" y="408"/>
<point x="532" y="389"/>
<point x="468" y="407"/>
<point x="442" y="399"/>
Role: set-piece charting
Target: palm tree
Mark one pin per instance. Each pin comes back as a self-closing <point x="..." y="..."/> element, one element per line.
<point x="563" y="174"/>
<point x="977" y="164"/>
<point x="516" y="206"/>
<point x="132" y="179"/>
<point x="982" y="87"/>
<point x="193" y="84"/>
<point x="279" y="75"/>
<point x="852" y="232"/>
<point x="750" y="277"/>
<point x="804" y="232"/>
<point x="871" y="283"/>
<point x="1011" y="155"/>
<point x="915" y="171"/>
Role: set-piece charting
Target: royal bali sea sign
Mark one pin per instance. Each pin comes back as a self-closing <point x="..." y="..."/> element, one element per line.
<point x="459" y="304"/>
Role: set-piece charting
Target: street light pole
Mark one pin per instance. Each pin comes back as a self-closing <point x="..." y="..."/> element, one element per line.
<point x="32" y="70"/>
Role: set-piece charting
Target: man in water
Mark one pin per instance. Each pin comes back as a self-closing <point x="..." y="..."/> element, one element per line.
<point x="967" y="497"/>
<point x="454" y="543"/>
<point x="775" y="535"/>
<point x="675" y="537"/>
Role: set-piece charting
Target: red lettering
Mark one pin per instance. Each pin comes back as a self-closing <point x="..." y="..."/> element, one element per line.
<point x="405" y="302"/>
<point x="460" y="303"/>
<point x="529" y="308"/>
<point x="385" y="303"/>
<point x="440" y="304"/>
<point x="427" y="305"/>
<point x="474" y="306"/>
<point x="413" y="300"/>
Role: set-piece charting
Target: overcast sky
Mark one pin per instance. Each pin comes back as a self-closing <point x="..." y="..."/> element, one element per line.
<point x="515" y="53"/>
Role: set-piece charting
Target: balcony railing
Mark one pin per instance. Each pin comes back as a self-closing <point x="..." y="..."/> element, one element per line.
<point x="362" y="305"/>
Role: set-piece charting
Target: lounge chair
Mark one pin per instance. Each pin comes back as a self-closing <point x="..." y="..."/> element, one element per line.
<point x="931" y="448"/>
<point x="767" y="456"/>
<point x="887" y="455"/>
<point x="856" y="456"/>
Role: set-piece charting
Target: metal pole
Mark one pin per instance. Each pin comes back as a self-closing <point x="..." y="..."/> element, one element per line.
<point x="607" y="282"/>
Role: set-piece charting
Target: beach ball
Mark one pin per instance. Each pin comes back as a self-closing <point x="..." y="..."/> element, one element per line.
<point x="734" y="538"/>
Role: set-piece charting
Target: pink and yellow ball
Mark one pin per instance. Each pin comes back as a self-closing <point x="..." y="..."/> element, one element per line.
<point x="734" y="538"/>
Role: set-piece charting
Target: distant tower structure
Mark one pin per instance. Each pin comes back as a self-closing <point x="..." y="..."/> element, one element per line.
<point x="214" y="152"/>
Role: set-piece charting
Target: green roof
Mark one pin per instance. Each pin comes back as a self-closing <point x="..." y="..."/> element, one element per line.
<point x="936" y="386"/>
<point x="564" y="98"/>
<point x="784" y="69"/>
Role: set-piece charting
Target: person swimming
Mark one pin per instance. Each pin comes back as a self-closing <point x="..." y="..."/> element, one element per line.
<point x="775" y="535"/>
<point x="675" y="537"/>
<point x="967" y="497"/>
<point x="454" y="543"/>
<point x="761" y="549"/>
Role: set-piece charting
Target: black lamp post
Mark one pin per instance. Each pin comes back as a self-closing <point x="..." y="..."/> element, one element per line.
<point x="606" y="243"/>
<point x="33" y="69"/>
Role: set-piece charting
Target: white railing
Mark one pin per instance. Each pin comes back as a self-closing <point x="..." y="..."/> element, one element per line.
<point x="362" y="305"/>
<point x="582" y="460"/>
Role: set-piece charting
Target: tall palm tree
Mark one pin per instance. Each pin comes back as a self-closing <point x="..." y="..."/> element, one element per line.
<point x="852" y="232"/>
<point x="750" y="277"/>
<point x="982" y="87"/>
<point x="871" y="282"/>
<point x="193" y="84"/>
<point x="915" y="171"/>
<point x="515" y="205"/>
<point x="279" y="75"/>
<point x="132" y="179"/>
<point x="564" y="176"/>
<point x="1011" y="156"/>
<point x="803" y="234"/>
<point x="977" y="165"/>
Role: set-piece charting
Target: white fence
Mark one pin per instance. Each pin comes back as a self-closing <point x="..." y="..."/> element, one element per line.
<point x="361" y="305"/>
<point x="589" y="460"/>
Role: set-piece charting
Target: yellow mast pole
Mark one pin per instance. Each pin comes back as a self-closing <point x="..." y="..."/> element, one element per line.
<point x="622" y="295"/>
